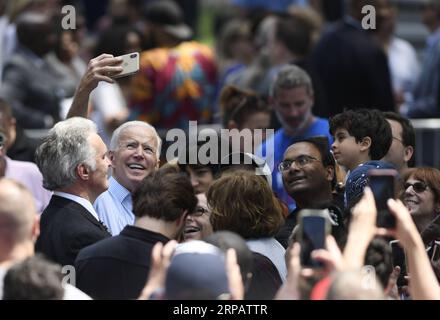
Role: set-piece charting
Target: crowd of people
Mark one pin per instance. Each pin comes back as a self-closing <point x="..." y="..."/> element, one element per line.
<point x="99" y="193"/>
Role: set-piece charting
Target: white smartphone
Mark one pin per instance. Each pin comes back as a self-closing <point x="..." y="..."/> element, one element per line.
<point x="130" y="64"/>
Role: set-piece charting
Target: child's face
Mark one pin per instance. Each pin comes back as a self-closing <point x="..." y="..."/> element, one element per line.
<point x="345" y="149"/>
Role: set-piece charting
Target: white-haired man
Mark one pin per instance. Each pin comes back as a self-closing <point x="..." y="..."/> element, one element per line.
<point x="73" y="161"/>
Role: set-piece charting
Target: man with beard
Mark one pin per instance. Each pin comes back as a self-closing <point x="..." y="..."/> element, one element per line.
<point x="292" y="98"/>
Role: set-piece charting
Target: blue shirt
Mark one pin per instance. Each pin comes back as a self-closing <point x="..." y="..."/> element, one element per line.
<point x="114" y="207"/>
<point x="425" y="102"/>
<point x="281" y="142"/>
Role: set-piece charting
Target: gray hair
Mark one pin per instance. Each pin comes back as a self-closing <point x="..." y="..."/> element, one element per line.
<point x="63" y="150"/>
<point x="290" y="77"/>
<point x="114" y="143"/>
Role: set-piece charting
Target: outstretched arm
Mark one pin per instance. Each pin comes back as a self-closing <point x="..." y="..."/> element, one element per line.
<point x="101" y="68"/>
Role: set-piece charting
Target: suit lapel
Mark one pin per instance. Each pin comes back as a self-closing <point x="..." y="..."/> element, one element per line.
<point x="74" y="206"/>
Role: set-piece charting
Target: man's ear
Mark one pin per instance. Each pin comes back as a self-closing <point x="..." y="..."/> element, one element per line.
<point x="329" y="173"/>
<point x="365" y="143"/>
<point x="158" y="163"/>
<point x="83" y="172"/>
<point x="408" y="153"/>
<point x="35" y="230"/>
<point x="111" y="156"/>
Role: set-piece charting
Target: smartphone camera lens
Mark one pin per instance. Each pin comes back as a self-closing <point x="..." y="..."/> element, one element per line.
<point x="133" y="56"/>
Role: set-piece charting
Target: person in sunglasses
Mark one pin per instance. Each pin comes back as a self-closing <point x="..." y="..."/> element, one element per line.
<point x="421" y="195"/>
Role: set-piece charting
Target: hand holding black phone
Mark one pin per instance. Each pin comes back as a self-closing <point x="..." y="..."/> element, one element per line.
<point x="314" y="226"/>
<point x="383" y="185"/>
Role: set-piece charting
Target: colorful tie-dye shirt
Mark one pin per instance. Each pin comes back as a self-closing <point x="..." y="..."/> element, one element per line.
<point x="174" y="86"/>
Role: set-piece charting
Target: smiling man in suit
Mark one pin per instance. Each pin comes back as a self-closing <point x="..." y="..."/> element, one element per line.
<point x="73" y="161"/>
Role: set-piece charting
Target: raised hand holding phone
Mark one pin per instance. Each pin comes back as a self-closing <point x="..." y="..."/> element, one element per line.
<point x="130" y="65"/>
<point x="314" y="226"/>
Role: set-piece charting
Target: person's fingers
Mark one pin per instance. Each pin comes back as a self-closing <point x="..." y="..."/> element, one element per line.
<point x="369" y="196"/>
<point x="324" y="256"/>
<point x="234" y="275"/>
<point x="168" y="249"/>
<point x="332" y="246"/>
<point x="295" y="260"/>
<point x="103" y="78"/>
<point x="391" y="289"/>
<point x="397" y="208"/>
<point x="157" y="252"/>
<point x="103" y="56"/>
<point x="108" y="61"/>
<point x="382" y="232"/>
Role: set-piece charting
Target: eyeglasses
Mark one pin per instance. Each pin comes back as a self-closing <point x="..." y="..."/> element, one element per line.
<point x="300" y="161"/>
<point x="200" y="211"/>
<point x="418" y="187"/>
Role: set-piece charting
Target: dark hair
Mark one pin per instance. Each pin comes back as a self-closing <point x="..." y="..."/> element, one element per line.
<point x="408" y="133"/>
<point x="244" y="203"/>
<point x="114" y="40"/>
<point x="322" y="145"/>
<point x="238" y="105"/>
<point x="165" y="196"/>
<point x="226" y="240"/>
<point x="363" y="123"/>
<point x="33" y="279"/>
<point x="192" y="149"/>
<point x="294" y="34"/>
<point x="379" y="256"/>
<point x="5" y="109"/>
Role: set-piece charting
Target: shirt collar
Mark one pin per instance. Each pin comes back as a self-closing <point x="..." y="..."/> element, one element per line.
<point x="83" y="202"/>
<point x="118" y="190"/>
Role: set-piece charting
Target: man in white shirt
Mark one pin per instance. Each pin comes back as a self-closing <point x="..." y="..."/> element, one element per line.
<point x="134" y="154"/>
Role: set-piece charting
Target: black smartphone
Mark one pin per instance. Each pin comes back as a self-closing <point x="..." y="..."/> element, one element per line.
<point x="399" y="259"/>
<point x="314" y="226"/>
<point x="383" y="184"/>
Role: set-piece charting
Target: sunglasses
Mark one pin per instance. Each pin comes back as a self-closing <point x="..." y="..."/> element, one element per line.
<point x="418" y="187"/>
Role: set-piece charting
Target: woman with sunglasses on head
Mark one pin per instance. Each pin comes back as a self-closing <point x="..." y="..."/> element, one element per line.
<point x="421" y="195"/>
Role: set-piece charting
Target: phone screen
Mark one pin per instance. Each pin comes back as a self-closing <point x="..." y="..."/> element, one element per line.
<point x="399" y="259"/>
<point x="382" y="186"/>
<point x="313" y="237"/>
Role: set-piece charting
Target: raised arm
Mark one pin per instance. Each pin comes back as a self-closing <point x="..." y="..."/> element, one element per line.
<point x="101" y="68"/>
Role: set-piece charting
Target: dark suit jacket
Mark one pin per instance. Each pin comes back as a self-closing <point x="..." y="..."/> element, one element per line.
<point x="32" y="91"/>
<point x="118" y="267"/>
<point x="66" y="228"/>
<point x="353" y="70"/>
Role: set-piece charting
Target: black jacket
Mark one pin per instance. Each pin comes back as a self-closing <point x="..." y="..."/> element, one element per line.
<point x="118" y="267"/>
<point x="353" y="70"/>
<point x="65" y="228"/>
